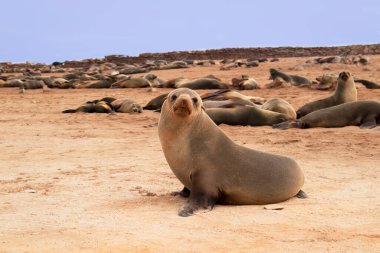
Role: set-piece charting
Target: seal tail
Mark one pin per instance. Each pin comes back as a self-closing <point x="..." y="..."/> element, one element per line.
<point x="70" y="111"/>
<point x="301" y="195"/>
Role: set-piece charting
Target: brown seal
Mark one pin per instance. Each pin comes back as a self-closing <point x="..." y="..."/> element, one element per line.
<point x="246" y="116"/>
<point x="345" y="92"/>
<point x="132" y="83"/>
<point x="212" y="167"/>
<point x="365" y="114"/>
<point x="156" y="103"/>
<point x="245" y="83"/>
<point x="126" y="106"/>
<point x="368" y="84"/>
<point x="292" y="79"/>
<point x="230" y="94"/>
<point x="195" y="84"/>
<point x="32" y="84"/>
<point x="91" y="107"/>
<point x="281" y="106"/>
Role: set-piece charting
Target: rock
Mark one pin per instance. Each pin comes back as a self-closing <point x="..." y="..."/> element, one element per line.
<point x="273" y="207"/>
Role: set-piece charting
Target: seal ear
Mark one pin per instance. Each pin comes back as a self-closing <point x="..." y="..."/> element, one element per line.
<point x="203" y="108"/>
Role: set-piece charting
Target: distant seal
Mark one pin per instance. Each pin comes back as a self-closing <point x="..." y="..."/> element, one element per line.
<point x="101" y="84"/>
<point x="212" y="167"/>
<point x="13" y="83"/>
<point x="292" y="79"/>
<point x="132" y="83"/>
<point x="245" y="83"/>
<point x="368" y="84"/>
<point x="196" y="84"/>
<point x="154" y="80"/>
<point x="326" y="82"/>
<point x="107" y="100"/>
<point x="281" y="106"/>
<point x="89" y="107"/>
<point x="230" y="94"/>
<point x="229" y="103"/>
<point x="126" y="106"/>
<point x="246" y="116"/>
<point x="365" y="114"/>
<point x="156" y="103"/>
<point x="32" y="84"/>
<point x="345" y="92"/>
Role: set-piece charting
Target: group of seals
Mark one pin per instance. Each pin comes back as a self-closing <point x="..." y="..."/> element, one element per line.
<point x="242" y="112"/>
<point x="214" y="169"/>
<point x="339" y="110"/>
<point x="365" y="114"/>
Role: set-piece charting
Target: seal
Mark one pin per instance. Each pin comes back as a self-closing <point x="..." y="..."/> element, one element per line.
<point x="156" y="103"/>
<point x="292" y="79"/>
<point x="345" y="92"/>
<point x="246" y="116"/>
<point x="281" y="106"/>
<point x="229" y="103"/>
<point x="154" y="80"/>
<point x="32" y="84"/>
<point x="245" y="83"/>
<point x="325" y="82"/>
<point x="195" y="84"/>
<point x="212" y="167"/>
<point x="126" y="106"/>
<point x="368" y="84"/>
<point x="132" y="83"/>
<point x="230" y="94"/>
<point x="365" y="113"/>
<point x="91" y="107"/>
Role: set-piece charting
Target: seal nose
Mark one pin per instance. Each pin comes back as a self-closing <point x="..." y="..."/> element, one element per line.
<point x="182" y="100"/>
<point x="344" y="75"/>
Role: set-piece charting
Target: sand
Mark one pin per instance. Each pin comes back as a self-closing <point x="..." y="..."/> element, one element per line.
<point x="100" y="183"/>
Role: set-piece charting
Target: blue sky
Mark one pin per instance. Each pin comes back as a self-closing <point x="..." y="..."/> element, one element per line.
<point x="58" y="30"/>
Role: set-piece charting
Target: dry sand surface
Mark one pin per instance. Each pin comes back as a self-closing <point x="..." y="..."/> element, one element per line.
<point x="102" y="183"/>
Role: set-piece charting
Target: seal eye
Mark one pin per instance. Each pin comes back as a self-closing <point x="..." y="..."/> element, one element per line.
<point x="195" y="100"/>
<point x="174" y="97"/>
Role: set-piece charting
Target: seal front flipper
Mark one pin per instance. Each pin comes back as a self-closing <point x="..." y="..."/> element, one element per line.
<point x="185" y="193"/>
<point x="301" y="195"/>
<point x="203" y="195"/>
<point x="70" y="111"/>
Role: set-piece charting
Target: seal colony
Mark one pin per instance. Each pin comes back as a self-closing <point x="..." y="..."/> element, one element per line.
<point x="214" y="169"/>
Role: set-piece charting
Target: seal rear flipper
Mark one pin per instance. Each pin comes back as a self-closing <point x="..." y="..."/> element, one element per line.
<point x="368" y="124"/>
<point x="204" y="194"/>
<point x="70" y="111"/>
<point x="301" y="195"/>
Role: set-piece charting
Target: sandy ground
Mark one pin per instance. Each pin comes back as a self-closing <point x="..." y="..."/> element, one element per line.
<point x="102" y="183"/>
